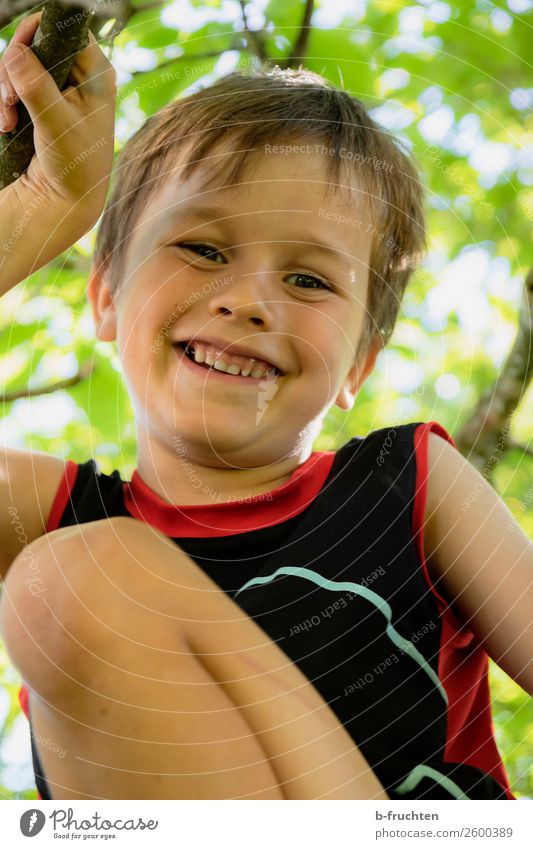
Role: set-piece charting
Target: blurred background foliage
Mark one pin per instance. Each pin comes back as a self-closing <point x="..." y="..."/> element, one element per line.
<point x="454" y="82"/>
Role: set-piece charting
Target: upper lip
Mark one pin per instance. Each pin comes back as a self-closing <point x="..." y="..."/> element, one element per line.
<point x="230" y="348"/>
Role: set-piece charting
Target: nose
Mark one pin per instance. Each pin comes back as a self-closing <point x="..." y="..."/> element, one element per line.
<point x="247" y="297"/>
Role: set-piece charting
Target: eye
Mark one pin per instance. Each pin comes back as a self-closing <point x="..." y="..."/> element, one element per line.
<point x="310" y="278"/>
<point x="206" y="251"/>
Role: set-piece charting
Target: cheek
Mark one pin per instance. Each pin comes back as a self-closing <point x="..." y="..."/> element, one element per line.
<point x="130" y="343"/>
<point x="138" y="352"/>
<point x="145" y="319"/>
<point x="325" y="346"/>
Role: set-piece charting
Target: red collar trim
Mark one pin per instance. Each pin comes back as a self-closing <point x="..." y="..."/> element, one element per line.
<point x="230" y="517"/>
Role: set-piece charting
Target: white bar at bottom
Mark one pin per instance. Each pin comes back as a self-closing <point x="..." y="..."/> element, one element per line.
<point x="269" y="824"/>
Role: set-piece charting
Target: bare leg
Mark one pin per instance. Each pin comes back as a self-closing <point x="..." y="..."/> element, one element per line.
<point x="158" y="685"/>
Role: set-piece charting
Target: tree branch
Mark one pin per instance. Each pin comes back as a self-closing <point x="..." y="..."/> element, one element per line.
<point x="255" y="41"/>
<point x="486" y="435"/>
<point x="300" y="46"/>
<point x="83" y="372"/>
<point x="62" y="31"/>
<point x="11" y="9"/>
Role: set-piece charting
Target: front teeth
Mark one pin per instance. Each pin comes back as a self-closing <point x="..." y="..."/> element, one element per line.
<point x="220" y="365"/>
<point x="232" y="369"/>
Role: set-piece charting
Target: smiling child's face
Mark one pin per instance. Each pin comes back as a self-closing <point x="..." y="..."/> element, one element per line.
<point x="269" y="285"/>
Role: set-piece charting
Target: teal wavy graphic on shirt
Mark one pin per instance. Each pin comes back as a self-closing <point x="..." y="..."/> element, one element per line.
<point x="383" y="606"/>
<point x="422" y="771"/>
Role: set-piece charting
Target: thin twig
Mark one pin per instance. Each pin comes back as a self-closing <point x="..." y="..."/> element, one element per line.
<point x="300" y="46"/>
<point x="486" y="433"/>
<point x="255" y="41"/>
<point x="82" y="374"/>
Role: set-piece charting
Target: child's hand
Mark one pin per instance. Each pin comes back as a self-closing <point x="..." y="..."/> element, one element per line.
<point x="73" y="129"/>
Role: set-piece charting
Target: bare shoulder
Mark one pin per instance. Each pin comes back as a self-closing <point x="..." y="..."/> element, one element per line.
<point x="484" y="560"/>
<point x="29" y="481"/>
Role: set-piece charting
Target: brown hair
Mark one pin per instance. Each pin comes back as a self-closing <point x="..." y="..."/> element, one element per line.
<point x="266" y="106"/>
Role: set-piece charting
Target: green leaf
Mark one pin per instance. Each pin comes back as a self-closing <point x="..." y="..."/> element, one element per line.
<point x="148" y="31"/>
<point x="17" y="334"/>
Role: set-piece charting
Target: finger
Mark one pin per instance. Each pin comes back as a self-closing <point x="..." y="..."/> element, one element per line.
<point x="37" y="90"/>
<point x="24" y="34"/>
<point x="7" y="123"/>
<point x="26" y="30"/>
<point x="92" y="69"/>
<point x="7" y="93"/>
<point x="4" y="126"/>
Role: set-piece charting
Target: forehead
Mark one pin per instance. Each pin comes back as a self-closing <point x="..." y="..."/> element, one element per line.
<point x="291" y="178"/>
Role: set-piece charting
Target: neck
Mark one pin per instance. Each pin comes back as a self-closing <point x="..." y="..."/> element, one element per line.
<point x="179" y="474"/>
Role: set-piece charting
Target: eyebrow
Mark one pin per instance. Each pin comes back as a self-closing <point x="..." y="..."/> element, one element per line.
<point x="193" y="213"/>
<point x="214" y="214"/>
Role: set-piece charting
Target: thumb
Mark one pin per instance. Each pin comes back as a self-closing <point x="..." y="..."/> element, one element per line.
<point x="32" y="82"/>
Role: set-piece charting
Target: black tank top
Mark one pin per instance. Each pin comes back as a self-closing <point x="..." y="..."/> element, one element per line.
<point x="331" y="565"/>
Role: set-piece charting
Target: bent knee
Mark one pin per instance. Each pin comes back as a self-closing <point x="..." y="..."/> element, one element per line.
<point x="48" y="597"/>
<point x="31" y="615"/>
<point x="86" y="594"/>
<point x="56" y="564"/>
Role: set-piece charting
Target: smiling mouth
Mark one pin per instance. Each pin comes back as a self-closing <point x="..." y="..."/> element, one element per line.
<point x="187" y="349"/>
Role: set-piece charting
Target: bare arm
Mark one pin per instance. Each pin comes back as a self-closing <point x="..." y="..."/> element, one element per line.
<point x="485" y="561"/>
<point x="28" y="485"/>
<point x="63" y="192"/>
<point x="32" y="234"/>
<point x="42" y="213"/>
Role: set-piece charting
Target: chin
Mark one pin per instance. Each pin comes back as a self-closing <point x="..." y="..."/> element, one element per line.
<point x="210" y="437"/>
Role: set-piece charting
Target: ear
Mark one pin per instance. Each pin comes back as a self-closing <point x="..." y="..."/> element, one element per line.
<point x="357" y="376"/>
<point x="103" y="306"/>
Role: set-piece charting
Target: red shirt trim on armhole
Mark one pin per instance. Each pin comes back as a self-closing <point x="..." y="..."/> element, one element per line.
<point x="462" y="667"/>
<point x="62" y="495"/>
<point x="23" y="700"/>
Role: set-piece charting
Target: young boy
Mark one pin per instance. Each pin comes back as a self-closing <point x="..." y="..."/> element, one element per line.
<point x="247" y="618"/>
